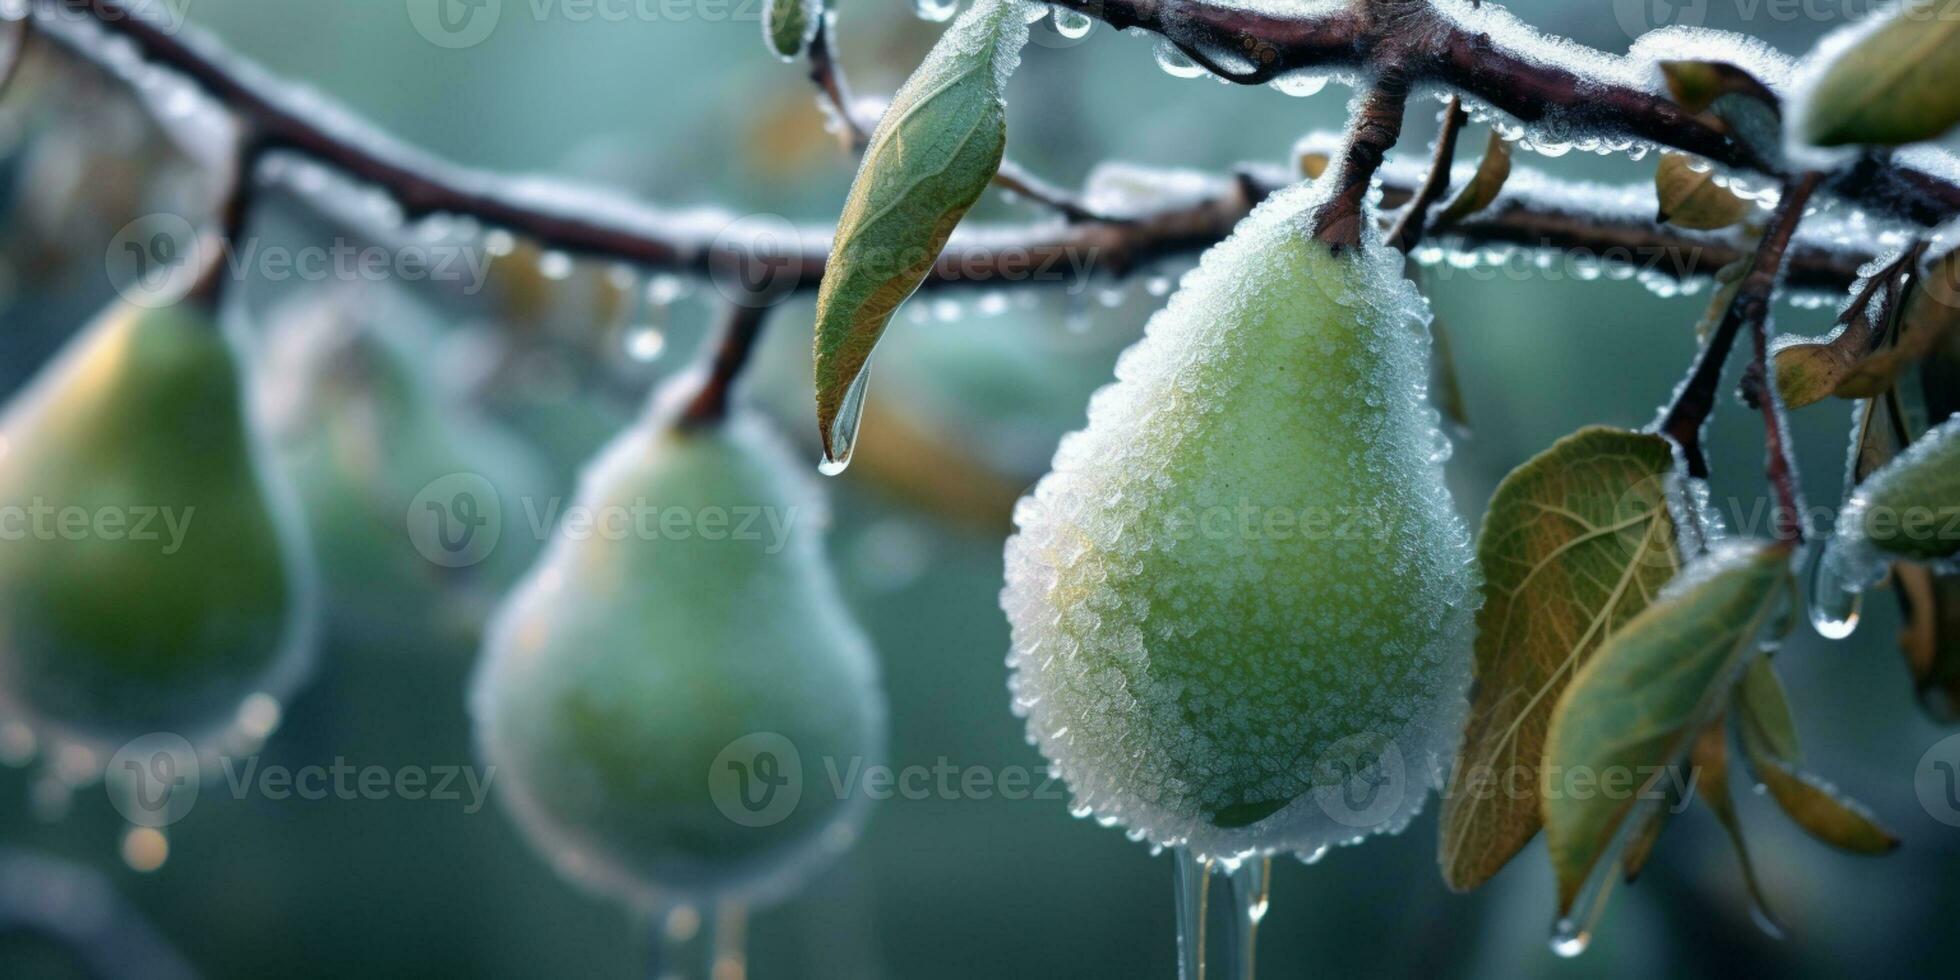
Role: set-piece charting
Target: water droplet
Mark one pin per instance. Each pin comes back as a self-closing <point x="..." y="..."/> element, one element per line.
<point x="1569" y="939"/>
<point x="844" y="430"/>
<point x="556" y="266"/>
<point x="645" y="344"/>
<point x="1072" y="24"/>
<point x="1299" y="84"/>
<point x="1834" y="607"/>
<point x="936" y="11"/>
<point x="1176" y="62"/>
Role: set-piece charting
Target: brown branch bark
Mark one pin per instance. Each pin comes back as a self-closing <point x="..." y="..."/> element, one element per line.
<point x="1414" y="40"/>
<point x="978" y="256"/>
<point x="1696" y="401"/>
<point x="1371" y="134"/>
<point x="740" y="331"/>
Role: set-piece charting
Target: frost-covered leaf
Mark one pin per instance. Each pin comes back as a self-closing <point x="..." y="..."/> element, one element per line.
<point x="1710" y="757"/>
<point x="1576" y="543"/>
<point x="788" y="25"/>
<point x="935" y="149"/>
<point x="1690" y="197"/>
<point x="1769" y="740"/>
<point x="1930" y="637"/>
<point x="1910" y="508"/>
<point x="1484" y="185"/>
<point x="1926" y="325"/>
<point x="1897" y="81"/>
<point x="1636" y="707"/>
<point x="1807" y="373"/>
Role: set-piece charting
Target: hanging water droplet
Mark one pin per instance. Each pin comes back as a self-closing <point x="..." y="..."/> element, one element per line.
<point x="1314" y="856"/>
<point x="1299" y="84"/>
<point x="645" y="343"/>
<point x="556" y="266"/>
<point x="1569" y="939"/>
<point x="844" y="430"/>
<point x="1072" y="24"/>
<point x="1834" y="607"/>
<point x="1176" y="62"/>
<point x="936" y="11"/>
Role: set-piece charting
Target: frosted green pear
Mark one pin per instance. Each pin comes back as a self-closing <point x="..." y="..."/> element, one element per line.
<point x="1242" y="600"/>
<point x="666" y="695"/>
<point x="152" y="576"/>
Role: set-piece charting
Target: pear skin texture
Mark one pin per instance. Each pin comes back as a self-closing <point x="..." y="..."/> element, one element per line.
<point x="1245" y="582"/>
<point x="619" y="671"/>
<point x="115" y="621"/>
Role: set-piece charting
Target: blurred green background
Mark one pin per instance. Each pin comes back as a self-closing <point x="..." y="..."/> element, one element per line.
<point x="689" y="109"/>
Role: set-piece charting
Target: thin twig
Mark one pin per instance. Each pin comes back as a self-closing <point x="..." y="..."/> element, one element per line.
<point x="741" y="329"/>
<point x="1685" y="419"/>
<point x="1414" y="221"/>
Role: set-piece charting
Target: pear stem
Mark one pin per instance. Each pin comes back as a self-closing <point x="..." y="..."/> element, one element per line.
<point x="1371" y="134"/>
<point x="1414" y="221"/>
<point x="741" y="328"/>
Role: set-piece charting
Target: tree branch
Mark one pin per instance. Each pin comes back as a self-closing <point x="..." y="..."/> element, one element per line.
<point x="1425" y="45"/>
<point x="1695" y="402"/>
<point x="578" y="221"/>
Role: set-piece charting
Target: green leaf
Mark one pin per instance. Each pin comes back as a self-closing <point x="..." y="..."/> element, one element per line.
<point x="1910" y="508"/>
<point x="935" y="149"/>
<point x="1710" y="757"/>
<point x="1492" y="171"/>
<point x="1636" y="707"/>
<point x="1690" y="197"/>
<point x="788" y="25"/>
<point x="1898" y="82"/>
<point x="1763" y="712"/>
<point x="1576" y="543"/>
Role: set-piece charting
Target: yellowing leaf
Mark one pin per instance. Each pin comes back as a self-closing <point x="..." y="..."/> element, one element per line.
<point x="1636" y="707"/>
<point x="1741" y="103"/>
<point x="1807" y="373"/>
<point x="1492" y="171"/>
<point x="935" y="149"/>
<point x="1576" y="542"/>
<point x="1769" y="739"/>
<point x="1691" y="198"/>
<point x="1930" y="638"/>
<point x="1898" y="82"/>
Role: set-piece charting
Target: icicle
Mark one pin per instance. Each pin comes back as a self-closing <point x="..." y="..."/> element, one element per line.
<point x="1193" y="877"/>
<point x="1251" y="883"/>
